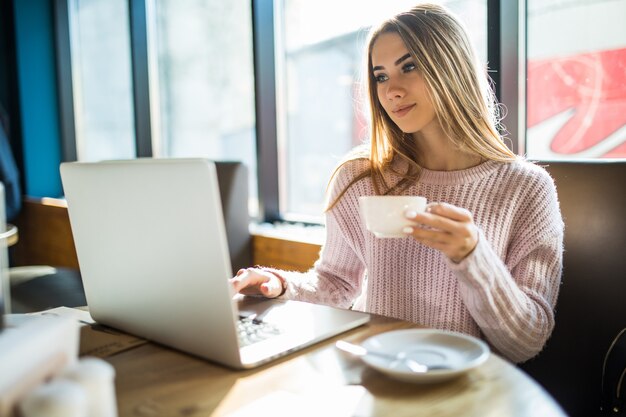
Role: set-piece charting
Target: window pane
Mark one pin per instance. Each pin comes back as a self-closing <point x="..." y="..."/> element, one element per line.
<point x="576" y="97"/>
<point x="205" y="78"/>
<point x="319" y="61"/>
<point x="102" y="84"/>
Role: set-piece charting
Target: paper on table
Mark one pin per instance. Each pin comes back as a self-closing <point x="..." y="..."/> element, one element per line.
<point x="82" y="316"/>
<point x="95" y="339"/>
<point x="339" y="402"/>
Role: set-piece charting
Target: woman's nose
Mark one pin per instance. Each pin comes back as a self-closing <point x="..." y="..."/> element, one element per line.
<point x="394" y="90"/>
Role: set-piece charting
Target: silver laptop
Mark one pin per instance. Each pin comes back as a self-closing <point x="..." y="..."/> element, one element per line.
<point x="153" y="255"/>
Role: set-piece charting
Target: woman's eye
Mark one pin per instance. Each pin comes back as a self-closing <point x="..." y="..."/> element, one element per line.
<point x="408" y="67"/>
<point x="380" y="78"/>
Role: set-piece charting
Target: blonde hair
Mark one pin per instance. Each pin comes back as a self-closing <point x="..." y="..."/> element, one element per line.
<point x="464" y="103"/>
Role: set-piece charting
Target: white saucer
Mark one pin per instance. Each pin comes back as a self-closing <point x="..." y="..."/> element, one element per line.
<point x="456" y="351"/>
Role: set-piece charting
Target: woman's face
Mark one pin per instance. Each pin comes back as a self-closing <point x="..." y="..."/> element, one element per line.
<point x="401" y="89"/>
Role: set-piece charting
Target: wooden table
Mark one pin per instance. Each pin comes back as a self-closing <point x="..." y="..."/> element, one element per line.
<point x="153" y="380"/>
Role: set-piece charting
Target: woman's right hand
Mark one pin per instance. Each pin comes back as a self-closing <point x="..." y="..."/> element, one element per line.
<point x="255" y="281"/>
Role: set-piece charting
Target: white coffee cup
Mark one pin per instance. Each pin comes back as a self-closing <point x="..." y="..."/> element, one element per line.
<point x="385" y="215"/>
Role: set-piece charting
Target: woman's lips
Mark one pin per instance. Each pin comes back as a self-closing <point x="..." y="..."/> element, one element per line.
<point x="403" y="110"/>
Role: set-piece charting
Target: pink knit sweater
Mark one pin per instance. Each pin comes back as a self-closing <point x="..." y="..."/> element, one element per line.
<point x="504" y="291"/>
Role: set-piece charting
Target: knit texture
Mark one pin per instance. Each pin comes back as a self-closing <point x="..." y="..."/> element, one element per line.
<point x="503" y="292"/>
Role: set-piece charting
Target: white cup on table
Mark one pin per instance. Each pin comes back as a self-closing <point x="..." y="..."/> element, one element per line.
<point x="96" y="377"/>
<point x="58" y="398"/>
<point x="384" y="216"/>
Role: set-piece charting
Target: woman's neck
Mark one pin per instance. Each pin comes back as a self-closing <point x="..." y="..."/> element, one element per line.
<point x="437" y="152"/>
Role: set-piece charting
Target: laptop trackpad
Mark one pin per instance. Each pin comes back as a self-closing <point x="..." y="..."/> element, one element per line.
<point x="301" y="324"/>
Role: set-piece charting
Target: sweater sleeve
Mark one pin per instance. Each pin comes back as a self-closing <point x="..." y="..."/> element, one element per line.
<point x="513" y="300"/>
<point x="335" y="279"/>
<point x="337" y="276"/>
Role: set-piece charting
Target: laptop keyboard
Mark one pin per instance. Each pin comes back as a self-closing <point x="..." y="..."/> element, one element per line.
<point x="251" y="329"/>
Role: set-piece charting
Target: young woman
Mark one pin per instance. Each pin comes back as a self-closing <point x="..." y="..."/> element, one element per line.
<point x="486" y="257"/>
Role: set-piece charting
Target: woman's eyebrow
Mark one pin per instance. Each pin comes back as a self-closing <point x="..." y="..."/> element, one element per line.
<point x="403" y="58"/>
<point x="398" y="62"/>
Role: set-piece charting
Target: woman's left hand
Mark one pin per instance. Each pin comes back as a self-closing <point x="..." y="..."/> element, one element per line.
<point x="444" y="227"/>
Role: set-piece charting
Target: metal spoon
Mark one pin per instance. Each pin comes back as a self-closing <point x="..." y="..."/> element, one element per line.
<point x="401" y="357"/>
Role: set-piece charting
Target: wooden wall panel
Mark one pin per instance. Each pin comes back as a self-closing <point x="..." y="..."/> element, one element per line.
<point x="284" y="254"/>
<point x="45" y="235"/>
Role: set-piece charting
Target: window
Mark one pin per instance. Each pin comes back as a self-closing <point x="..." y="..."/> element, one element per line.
<point x="204" y="72"/>
<point x="576" y="89"/>
<point x="102" y="83"/>
<point x="203" y="88"/>
<point x="319" y="64"/>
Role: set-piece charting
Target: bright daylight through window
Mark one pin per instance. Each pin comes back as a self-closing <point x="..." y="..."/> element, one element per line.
<point x="205" y="81"/>
<point x="102" y="84"/>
